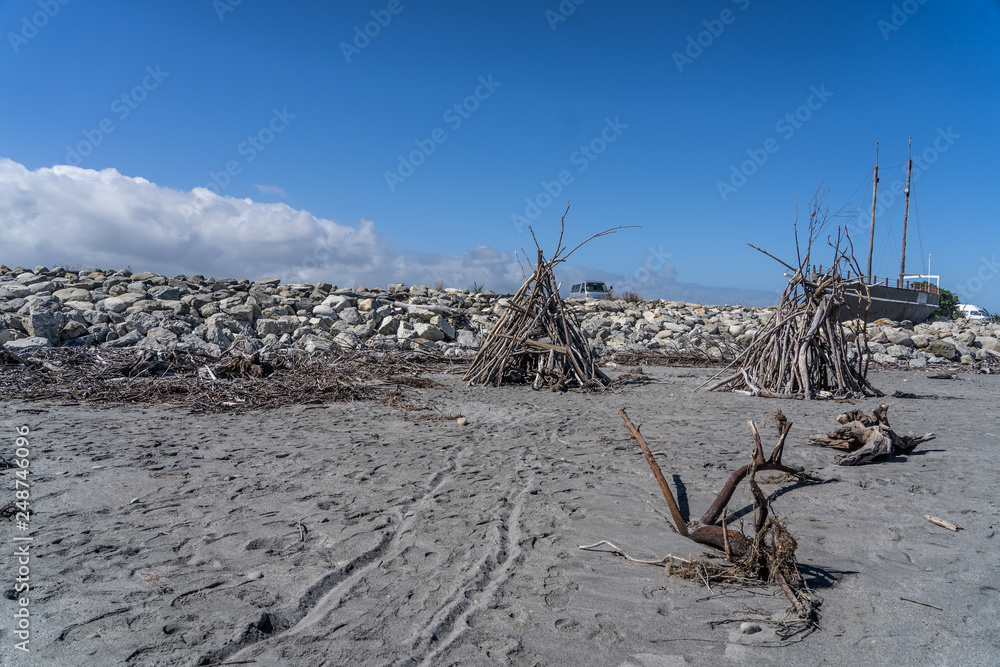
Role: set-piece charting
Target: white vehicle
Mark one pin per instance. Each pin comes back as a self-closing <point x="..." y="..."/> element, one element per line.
<point x="589" y="290"/>
<point x="970" y="312"/>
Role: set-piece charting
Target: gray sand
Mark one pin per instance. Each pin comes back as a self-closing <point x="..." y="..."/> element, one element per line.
<point x="386" y="539"/>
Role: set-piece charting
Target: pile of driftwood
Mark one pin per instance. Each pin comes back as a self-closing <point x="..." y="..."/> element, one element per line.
<point x="537" y="338"/>
<point x="802" y="352"/>
<point x="766" y="556"/>
<point x="867" y="437"/>
<point x="233" y="383"/>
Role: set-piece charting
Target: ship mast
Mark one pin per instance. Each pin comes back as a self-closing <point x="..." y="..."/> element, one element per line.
<point x="906" y="212"/>
<point x="871" y="235"/>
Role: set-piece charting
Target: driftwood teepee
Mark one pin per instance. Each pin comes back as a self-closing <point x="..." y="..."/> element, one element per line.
<point x="803" y="350"/>
<point x="537" y="338"/>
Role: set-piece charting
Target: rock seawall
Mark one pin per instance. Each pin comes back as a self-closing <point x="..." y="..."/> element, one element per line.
<point x="44" y="307"/>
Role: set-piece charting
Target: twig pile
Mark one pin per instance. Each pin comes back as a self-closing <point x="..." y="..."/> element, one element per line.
<point x="867" y="437"/>
<point x="803" y="350"/>
<point x="537" y="338"/>
<point x="235" y="383"/>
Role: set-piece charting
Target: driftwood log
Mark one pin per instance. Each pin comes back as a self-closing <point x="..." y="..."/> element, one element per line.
<point x="867" y="437"/>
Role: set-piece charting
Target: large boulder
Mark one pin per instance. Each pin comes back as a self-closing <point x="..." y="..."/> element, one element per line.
<point x="44" y="324"/>
<point x="943" y="349"/>
<point x="30" y="343"/>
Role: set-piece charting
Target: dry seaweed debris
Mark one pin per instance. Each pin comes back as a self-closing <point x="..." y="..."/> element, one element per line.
<point x="237" y="382"/>
<point x="867" y="437"/>
<point x="537" y="338"/>
<point x="766" y="557"/>
<point x="802" y="352"/>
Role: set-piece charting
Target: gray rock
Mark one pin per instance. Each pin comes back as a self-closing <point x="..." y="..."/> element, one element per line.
<point x="45" y="286"/>
<point x="348" y="340"/>
<point x="242" y="312"/>
<point x="130" y="338"/>
<point x="900" y="352"/>
<point x="218" y="336"/>
<point x="29" y="278"/>
<point x="98" y="332"/>
<point x="14" y="291"/>
<point x="164" y="336"/>
<point x="468" y="338"/>
<point x="192" y="343"/>
<point x="389" y="326"/>
<point x="312" y="344"/>
<point x="943" y="349"/>
<point x="351" y="316"/>
<point x="224" y="321"/>
<point x="428" y="331"/>
<point x="897" y="337"/>
<point x="142" y="322"/>
<point x="209" y="309"/>
<point x="44" y="304"/>
<point x="73" y="329"/>
<point x="95" y="317"/>
<point x="165" y="293"/>
<point x="29" y="343"/>
<point x="326" y="311"/>
<point x="919" y="360"/>
<point x="113" y="304"/>
<point x="266" y="327"/>
<point x="44" y="325"/>
<point x="338" y="302"/>
<point x="445" y="326"/>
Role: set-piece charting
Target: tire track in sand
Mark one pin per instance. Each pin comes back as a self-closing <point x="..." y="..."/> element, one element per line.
<point x="485" y="576"/>
<point x="333" y="588"/>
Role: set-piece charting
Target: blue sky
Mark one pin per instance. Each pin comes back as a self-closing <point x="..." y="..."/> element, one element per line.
<point x="252" y="138"/>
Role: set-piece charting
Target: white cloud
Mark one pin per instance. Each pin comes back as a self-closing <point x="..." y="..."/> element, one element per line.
<point x="270" y="190"/>
<point x="71" y="216"/>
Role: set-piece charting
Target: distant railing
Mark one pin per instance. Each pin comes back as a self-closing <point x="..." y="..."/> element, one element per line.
<point x="922" y="285"/>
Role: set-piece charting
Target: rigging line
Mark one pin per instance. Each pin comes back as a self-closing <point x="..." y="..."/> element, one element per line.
<point x="888" y="240"/>
<point x="920" y="233"/>
<point x="851" y="214"/>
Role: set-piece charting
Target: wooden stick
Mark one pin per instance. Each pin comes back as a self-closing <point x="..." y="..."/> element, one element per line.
<point x="675" y="511"/>
<point x="618" y="552"/>
<point x="954" y="527"/>
<point x="923" y="603"/>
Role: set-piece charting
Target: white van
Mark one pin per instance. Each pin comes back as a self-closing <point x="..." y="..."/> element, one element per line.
<point x="590" y="290"/>
<point x="970" y="312"/>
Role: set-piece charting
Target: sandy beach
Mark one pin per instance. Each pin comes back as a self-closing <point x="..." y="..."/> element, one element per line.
<point x="362" y="534"/>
